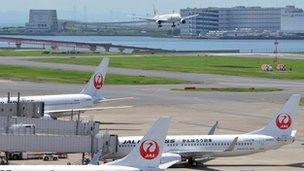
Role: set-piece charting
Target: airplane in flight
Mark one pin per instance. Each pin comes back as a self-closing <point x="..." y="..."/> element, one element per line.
<point x="145" y="156"/>
<point x="174" y="18"/>
<point x="197" y="149"/>
<point x="66" y="104"/>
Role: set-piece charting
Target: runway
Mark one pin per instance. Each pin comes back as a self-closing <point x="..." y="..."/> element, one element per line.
<point x="192" y="113"/>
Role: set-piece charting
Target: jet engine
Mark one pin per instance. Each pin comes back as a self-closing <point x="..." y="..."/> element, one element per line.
<point x="159" y="23"/>
<point x="183" y="21"/>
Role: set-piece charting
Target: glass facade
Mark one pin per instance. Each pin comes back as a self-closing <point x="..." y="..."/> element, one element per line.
<point x="217" y="19"/>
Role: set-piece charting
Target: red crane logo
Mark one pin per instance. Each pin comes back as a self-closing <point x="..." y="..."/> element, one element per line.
<point x="98" y="81"/>
<point x="149" y="149"/>
<point x="283" y="121"/>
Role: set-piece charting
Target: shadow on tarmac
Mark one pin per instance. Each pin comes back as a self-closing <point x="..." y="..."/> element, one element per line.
<point x="212" y="167"/>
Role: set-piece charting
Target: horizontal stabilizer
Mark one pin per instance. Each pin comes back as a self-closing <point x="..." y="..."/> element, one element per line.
<point x="293" y="133"/>
<point x="116" y="99"/>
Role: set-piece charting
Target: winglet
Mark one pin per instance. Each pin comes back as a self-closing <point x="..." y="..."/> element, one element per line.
<point x="232" y="145"/>
<point x="147" y="153"/>
<point x="213" y="128"/>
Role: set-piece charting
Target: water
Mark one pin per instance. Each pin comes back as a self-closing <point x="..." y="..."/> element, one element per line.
<point x="183" y="44"/>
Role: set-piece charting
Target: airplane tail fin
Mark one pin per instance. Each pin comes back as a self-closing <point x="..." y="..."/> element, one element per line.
<point x="95" y="85"/>
<point x="213" y="128"/>
<point x="155" y="12"/>
<point x="147" y="153"/>
<point x="281" y="125"/>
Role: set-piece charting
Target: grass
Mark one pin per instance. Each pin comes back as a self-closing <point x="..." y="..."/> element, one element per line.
<point x="11" y="52"/>
<point x="222" y="65"/>
<point x="302" y="102"/>
<point x="234" y="89"/>
<point x="63" y="76"/>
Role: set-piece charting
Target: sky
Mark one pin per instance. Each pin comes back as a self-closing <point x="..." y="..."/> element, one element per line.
<point x="15" y="12"/>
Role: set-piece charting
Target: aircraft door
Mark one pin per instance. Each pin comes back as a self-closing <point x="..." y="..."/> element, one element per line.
<point x="262" y="145"/>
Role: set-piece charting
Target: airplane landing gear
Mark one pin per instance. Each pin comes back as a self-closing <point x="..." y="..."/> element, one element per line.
<point x="173" y="25"/>
<point x="192" y="162"/>
<point x="159" y="25"/>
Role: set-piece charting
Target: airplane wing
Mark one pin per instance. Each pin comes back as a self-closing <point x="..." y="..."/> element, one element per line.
<point x="143" y="18"/>
<point x="190" y="16"/>
<point x="116" y="99"/>
<point x="84" y="109"/>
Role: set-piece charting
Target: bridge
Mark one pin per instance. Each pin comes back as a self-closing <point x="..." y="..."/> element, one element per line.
<point x="55" y="44"/>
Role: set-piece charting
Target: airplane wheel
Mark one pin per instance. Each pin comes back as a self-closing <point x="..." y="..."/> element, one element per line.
<point x="159" y="26"/>
<point x="46" y="158"/>
<point x="16" y="157"/>
<point x="192" y="162"/>
<point x="195" y="164"/>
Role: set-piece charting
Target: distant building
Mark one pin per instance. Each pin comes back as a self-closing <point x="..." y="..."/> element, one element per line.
<point x="240" y="17"/>
<point x="42" y="21"/>
<point x="292" y="20"/>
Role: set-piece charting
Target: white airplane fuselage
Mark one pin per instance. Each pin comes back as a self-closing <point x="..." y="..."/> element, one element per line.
<point x="207" y="145"/>
<point x="69" y="168"/>
<point x="170" y="18"/>
<point x="57" y="102"/>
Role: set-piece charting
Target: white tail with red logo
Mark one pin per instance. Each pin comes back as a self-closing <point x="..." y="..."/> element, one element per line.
<point x="96" y="83"/>
<point x="147" y="153"/>
<point x="282" y="123"/>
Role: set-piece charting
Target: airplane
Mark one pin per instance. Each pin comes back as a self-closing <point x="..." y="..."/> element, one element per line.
<point x="174" y="18"/>
<point x="145" y="156"/>
<point x="197" y="149"/>
<point x="66" y="104"/>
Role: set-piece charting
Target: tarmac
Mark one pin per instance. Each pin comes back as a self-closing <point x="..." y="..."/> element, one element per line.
<point x="191" y="112"/>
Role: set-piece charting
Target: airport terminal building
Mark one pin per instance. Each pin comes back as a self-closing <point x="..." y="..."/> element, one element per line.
<point x="292" y="20"/>
<point x="240" y="17"/>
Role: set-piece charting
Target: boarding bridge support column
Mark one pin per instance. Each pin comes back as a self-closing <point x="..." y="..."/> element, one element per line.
<point x="121" y="49"/>
<point x="107" y="48"/>
<point x="135" y="50"/>
<point x="93" y="48"/>
<point x="18" y="45"/>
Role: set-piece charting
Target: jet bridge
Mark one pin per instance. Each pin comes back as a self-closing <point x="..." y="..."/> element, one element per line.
<point x="48" y="135"/>
<point x="48" y="126"/>
<point x="22" y="128"/>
